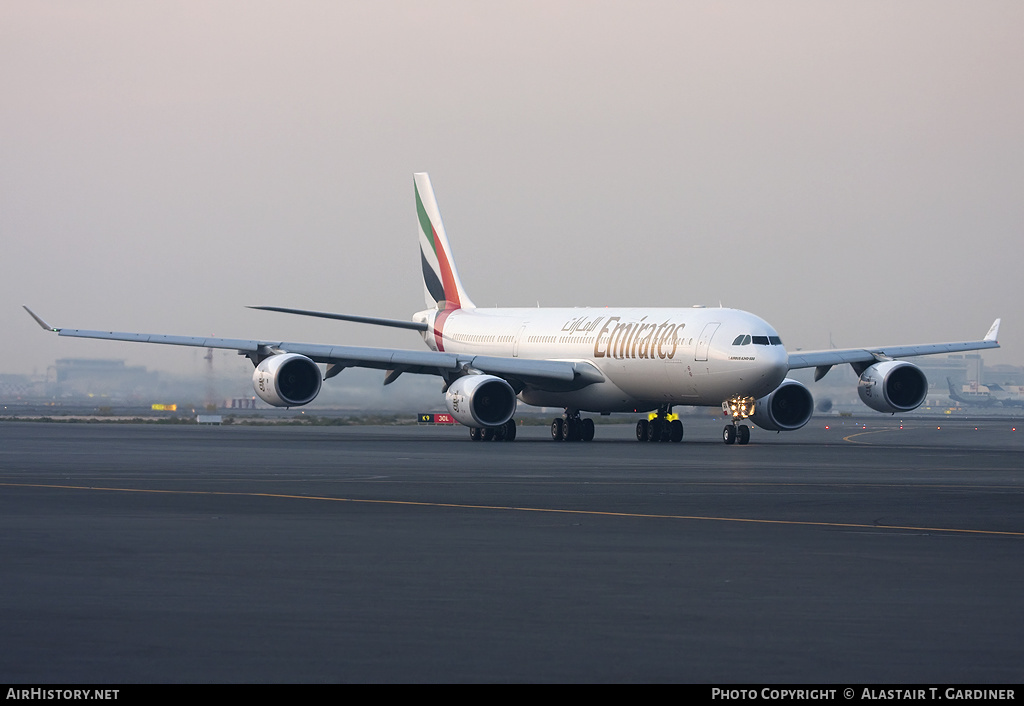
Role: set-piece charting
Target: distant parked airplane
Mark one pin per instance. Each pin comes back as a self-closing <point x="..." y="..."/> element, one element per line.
<point x="991" y="396"/>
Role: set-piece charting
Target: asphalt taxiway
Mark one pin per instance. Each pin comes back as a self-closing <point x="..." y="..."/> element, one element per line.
<point x="861" y="552"/>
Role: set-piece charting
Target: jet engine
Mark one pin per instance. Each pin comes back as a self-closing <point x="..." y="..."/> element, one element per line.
<point x="789" y="407"/>
<point x="892" y="386"/>
<point x="287" y="380"/>
<point x="481" y="400"/>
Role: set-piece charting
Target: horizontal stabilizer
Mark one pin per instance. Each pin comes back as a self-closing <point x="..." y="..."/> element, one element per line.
<point x="393" y="323"/>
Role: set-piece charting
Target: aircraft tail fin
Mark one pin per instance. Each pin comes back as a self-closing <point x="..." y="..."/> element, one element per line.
<point x="442" y="287"/>
<point x="953" y="394"/>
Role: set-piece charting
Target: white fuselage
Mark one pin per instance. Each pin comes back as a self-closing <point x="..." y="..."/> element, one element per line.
<point x="649" y="357"/>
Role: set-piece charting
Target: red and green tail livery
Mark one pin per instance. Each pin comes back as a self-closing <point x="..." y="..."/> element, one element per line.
<point x="442" y="288"/>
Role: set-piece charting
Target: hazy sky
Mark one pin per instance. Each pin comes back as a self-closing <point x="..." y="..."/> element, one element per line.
<point x="853" y="169"/>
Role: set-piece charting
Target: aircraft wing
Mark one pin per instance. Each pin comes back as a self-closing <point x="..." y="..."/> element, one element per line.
<point x="543" y="374"/>
<point x="823" y="360"/>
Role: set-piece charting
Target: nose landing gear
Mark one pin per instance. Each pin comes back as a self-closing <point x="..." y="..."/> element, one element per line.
<point x="738" y="408"/>
<point x="736" y="434"/>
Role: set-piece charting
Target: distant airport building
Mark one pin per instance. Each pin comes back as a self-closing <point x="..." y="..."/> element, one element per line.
<point x="961" y="368"/>
<point x="99" y="377"/>
<point x="1005" y="374"/>
<point x="14" y="386"/>
<point x="969" y="369"/>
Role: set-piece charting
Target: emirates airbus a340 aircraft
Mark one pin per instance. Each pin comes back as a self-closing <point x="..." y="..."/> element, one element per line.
<point x="599" y="360"/>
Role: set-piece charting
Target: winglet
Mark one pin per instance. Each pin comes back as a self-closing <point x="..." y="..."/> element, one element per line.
<point x="46" y="326"/>
<point x="993" y="333"/>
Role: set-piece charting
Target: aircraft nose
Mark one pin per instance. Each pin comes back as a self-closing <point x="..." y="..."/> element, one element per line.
<point x="775" y="365"/>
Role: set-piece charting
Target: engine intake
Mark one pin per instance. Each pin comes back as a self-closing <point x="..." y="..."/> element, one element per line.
<point x="893" y="386"/>
<point x="287" y="380"/>
<point x="481" y="400"/>
<point x="789" y="407"/>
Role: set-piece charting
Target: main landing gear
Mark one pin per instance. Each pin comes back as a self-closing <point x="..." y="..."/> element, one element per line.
<point x="506" y="432"/>
<point x="738" y="408"/>
<point x="572" y="427"/>
<point x="660" y="426"/>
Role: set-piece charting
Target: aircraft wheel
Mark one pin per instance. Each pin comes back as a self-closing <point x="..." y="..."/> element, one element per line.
<point x="556" y="429"/>
<point x="510" y="430"/>
<point x="729" y="435"/>
<point x="743" y="435"/>
<point x="654" y="430"/>
<point x="677" y="431"/>
<point x="587" y="432"/>
<point x="475" y="433"/>
<point x="571" y="429"/>
<point x="641" y="430"/>
<point x="488" y="433"/>
<point x="499" y="433"/>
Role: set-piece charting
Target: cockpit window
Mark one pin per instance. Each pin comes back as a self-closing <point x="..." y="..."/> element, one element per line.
<point x="747" y="339"/>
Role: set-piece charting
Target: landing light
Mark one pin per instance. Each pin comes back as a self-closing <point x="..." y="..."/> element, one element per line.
<point x="738" y="407"/>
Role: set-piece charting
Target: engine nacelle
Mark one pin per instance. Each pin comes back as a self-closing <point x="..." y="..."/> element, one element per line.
<point x="481" y="400"/>
<point x="789" y="407"/>
<point x="287" y="380"/>
<point x="893" y="386"/>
